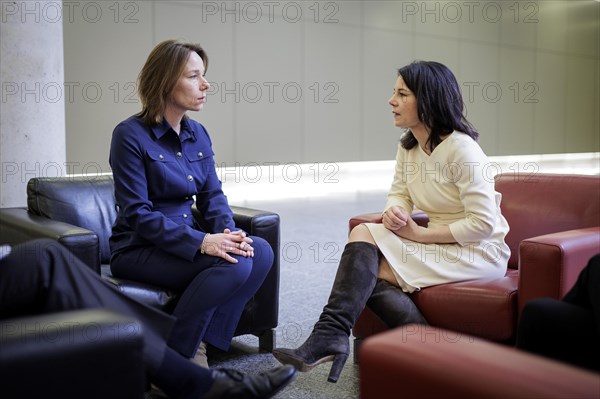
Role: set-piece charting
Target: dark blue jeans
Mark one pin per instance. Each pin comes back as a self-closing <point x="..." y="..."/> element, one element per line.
<point x="213" y="291"/>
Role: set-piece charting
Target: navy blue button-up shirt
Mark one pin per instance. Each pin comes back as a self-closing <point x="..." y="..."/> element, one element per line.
<point x="156" y="174"/>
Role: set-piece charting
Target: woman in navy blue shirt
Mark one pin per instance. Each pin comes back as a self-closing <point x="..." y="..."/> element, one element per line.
<point x="161" y="160"/>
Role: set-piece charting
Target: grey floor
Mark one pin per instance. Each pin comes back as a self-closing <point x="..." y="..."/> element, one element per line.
<point x="313" y="235"/>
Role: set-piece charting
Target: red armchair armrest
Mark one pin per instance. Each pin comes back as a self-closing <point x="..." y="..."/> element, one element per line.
<point x="426" y="362"/>
<point x="550" y="264"/>
<point x="373" y="217"/>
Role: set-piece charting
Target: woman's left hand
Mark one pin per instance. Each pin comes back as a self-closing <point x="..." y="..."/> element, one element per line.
<point x="425" y="235"/>
<point x="411" y="231"/>
<point x="243" y="242"/>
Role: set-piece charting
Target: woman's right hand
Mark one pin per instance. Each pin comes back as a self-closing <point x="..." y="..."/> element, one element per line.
<point x="395" y="218"/>
<point x="222" y="244"/>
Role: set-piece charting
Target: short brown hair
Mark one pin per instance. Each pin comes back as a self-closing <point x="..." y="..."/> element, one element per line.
<point x="160" y="73"/>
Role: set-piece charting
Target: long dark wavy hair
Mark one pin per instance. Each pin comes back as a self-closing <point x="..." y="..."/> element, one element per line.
<point x="440" y="104"/>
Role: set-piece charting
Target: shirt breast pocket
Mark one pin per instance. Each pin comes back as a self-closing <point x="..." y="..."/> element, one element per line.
<point x="160" y="167"/>
<point x="200" y="160"/>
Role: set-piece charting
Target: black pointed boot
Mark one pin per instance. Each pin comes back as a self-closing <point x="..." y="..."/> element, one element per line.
<point x="393" y="306"/>
<point x="352" y="287"/>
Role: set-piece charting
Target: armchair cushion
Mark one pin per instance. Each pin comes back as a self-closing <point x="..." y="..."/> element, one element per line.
<point x="483" y="308"/>
<point x="480" y="307"/>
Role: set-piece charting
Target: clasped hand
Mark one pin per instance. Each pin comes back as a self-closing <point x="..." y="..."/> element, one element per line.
<point x="400" y="223"/>
<point x="228" y="242"/>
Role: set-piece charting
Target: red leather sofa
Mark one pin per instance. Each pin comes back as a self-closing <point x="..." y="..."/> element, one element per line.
<point x="554" y="230"/>
<point x="426" y="362"/>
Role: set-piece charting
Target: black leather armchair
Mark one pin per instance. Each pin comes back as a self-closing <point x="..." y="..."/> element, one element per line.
<point x="79" y="213"/>
<point x="71" y="355"/>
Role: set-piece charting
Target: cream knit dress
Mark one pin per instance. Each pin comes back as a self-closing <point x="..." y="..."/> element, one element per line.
<point x="455" y="187"/>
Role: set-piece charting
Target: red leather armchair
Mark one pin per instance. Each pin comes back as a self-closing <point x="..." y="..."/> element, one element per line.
<point x="554" y="230"/>
<point x="426" y="362"/>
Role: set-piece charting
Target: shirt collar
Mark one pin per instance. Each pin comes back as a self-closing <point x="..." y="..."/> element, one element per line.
<point x="160" y="129"/>
<point x="186" y="130"/>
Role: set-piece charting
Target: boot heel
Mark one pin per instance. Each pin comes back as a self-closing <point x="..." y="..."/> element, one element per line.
<point x="336" y="367"/>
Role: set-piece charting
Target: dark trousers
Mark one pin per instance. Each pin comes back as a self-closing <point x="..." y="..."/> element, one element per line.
<point x="567" y="330"/>
<point x="214" y="291"/>
<point x="42" y="276"/>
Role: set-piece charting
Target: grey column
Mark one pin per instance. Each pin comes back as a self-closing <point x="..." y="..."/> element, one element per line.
<point x="32" y="103"/>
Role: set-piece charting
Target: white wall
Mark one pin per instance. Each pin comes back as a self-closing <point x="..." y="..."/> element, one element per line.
<point x="528" y="69"/>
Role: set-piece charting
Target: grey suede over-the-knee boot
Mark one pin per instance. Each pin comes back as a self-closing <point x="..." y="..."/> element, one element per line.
<point x="394" y="306"/>
<point x="352" y="287"/>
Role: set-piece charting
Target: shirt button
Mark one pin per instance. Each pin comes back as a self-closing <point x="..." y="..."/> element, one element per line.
<point x="200" y="155"/>
<point x="190" y="178"/>
<point x="161" y="157"/>
<point x="178" y="155"/>
<point x="185" y="215"/>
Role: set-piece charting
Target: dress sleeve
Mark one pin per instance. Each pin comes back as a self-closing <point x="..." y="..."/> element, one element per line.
<point x="131" y="195"/>
<point x="398" y="194"/>
<point x="476" y="192"/>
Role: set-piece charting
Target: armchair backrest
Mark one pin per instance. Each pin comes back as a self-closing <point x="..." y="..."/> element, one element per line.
<point x="538" y="204"/>
<point x="87" y="202"/>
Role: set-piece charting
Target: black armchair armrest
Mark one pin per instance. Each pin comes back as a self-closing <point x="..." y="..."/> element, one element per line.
<point x="258" y="223"/>
<point x="91" y="353"/>
<point x="266" y="225"/>
<point x="18" y="225"/>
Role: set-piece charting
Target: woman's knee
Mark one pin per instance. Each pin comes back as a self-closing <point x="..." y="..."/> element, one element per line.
<point x="361" y="233"/>
<point x="256" y="267"/>
<point x="263" y="253"/>
<point x="41" y="252"/>
<point x="247" y="268"/>
<point x="236" y="274"/>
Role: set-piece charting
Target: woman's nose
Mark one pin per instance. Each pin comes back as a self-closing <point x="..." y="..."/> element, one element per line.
<point x="204" y="85"/>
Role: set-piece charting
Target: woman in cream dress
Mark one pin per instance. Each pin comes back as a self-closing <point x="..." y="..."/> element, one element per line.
<point x="441" y="170"/>
<point x="465" y="236"/>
